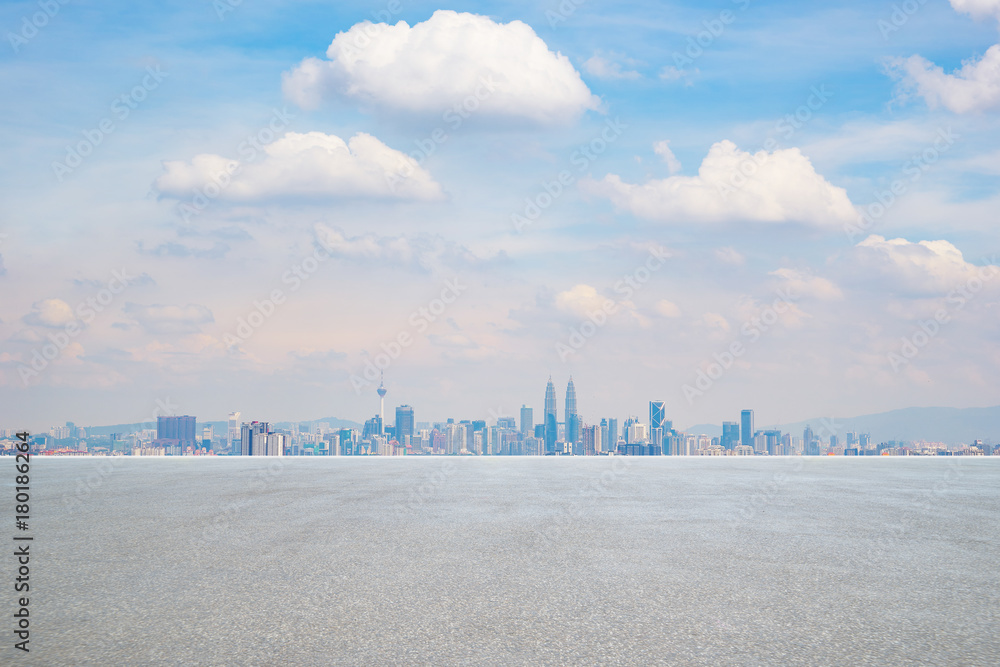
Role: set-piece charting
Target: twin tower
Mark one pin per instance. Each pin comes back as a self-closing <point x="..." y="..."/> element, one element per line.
<point x="571" y="421"/>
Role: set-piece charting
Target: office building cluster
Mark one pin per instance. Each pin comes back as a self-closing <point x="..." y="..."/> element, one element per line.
<point x="550" y="434"/>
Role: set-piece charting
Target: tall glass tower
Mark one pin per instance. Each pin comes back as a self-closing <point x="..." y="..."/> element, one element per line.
<point x="657" y="414"/>
<point x="527" y="421"/>
<point x="572" y="419"/>
<point x="551" y="425"/>
<point x="404" y="423"/>
<point x="746" y="424"/>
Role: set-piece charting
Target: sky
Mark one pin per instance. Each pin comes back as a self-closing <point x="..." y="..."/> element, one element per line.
<point x="260" y="206"/>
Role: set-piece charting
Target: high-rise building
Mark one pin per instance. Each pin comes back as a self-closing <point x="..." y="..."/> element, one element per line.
<point x="253" y="438"/>
<point x="175" y="433"/>
<point x="636" y="433"/>
<point x="772" y="442"/>
<point x="656" y="440"/>
<point x="810" y="444"/>
<point x="527" y="421"/>
<point x="657" y="415"/>
<point x="275" y="445"/>
<point x="504" y="422"/>
<point x="730" y="435"/>
<point x="551" y="421"/>
<point x="572" y="421"/>
<point x="404" y="423"/>
<point x="373" y="428"/>
<point x="612" y="434"/>
<point x="233" y="435"/>
<point x="591" y="440"/>
<point x="746" y="432"/>
<point x="347" y="441"/>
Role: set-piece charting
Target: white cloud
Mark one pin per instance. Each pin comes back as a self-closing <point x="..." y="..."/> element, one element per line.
<point x="662" y="148"/>
<point x="729" y="256"/>
<point x="978" y="9"/>
<point x="159" y="319"/>
<point x="713" y="325"/>
<point x="52" y="313"/>
<point x="312" y="166"/>
<point x="671" y="73"/>
<point x="974" y="87"/>
<point x="667" y="308"/>
<point x="911" y="269"/>
<point x="783" y="187"/>
<point x="425" y="252"/>
<point x="439" y="63"/>
<point x="799" y="284"/>
<point x="581" y="300"/>
<point x="609" y="66"/>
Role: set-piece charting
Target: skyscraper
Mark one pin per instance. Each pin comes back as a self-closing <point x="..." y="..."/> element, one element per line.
<point x="527" y="421"/>
<point x="404" y="423"/>
<point x="253" y="438"/>
<point x="572" y="419"/>
<point x="746" y="434"/>
<point x="612" y="434"/>
<point x="730" y="435"/>
<point x="233" y="436"/>
<point x="657" y="415"/>
<point x="551" y="421"/>
<point x="373" y="428"/>
<point x="175" y="433"/>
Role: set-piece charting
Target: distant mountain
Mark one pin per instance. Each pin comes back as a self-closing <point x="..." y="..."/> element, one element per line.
<point x="949" y="425"/>
<point x="711" y="430"/>
<point x="334" y="422"/>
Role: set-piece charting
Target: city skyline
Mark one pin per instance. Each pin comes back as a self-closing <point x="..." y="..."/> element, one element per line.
<point x="554" y="427"/>
<point x="504" y="434"/>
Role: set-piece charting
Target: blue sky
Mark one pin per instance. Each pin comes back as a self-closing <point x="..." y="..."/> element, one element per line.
<point x="837" y="349"/>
